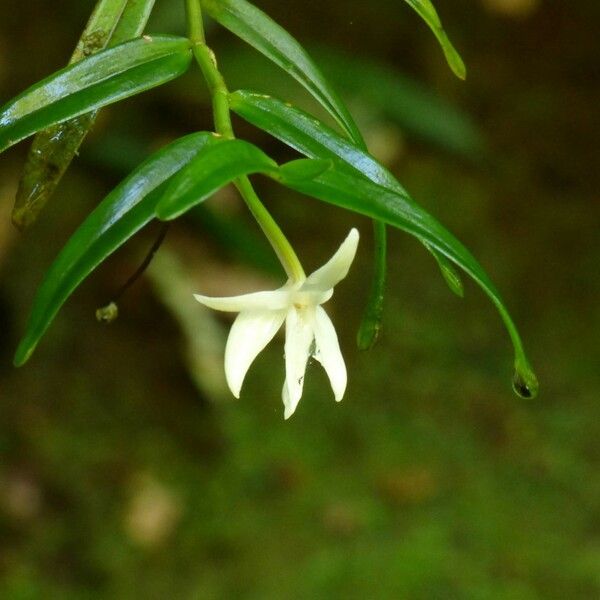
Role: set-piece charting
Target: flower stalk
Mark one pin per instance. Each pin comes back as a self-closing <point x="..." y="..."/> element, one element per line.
<point x="206" y="60"/>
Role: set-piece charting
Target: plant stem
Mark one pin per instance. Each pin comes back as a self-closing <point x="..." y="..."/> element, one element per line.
<point x="162" y="234"/>
<point x="194" y="21"/>
<point x="218" y="90"/>
<point x="222" y="117"/>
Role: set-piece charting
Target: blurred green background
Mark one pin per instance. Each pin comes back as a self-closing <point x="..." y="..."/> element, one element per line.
<point x="126" y="471"/>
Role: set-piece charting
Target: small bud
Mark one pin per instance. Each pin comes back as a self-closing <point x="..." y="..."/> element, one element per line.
<point x="107" y="314"/>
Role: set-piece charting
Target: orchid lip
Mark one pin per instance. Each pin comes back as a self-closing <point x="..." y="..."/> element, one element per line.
<point x="302" y="299"/>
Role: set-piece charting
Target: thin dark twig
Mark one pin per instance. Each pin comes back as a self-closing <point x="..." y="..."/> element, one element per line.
<point x="146" y="262"/>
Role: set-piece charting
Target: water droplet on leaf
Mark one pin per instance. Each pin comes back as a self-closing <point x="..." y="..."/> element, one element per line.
<point x="525" y="385"/>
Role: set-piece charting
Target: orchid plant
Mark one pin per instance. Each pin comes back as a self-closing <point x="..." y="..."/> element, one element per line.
<point x="115" y="60"/>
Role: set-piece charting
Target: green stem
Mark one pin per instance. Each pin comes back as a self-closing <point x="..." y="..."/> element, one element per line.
<point x="194" y="21"/>
<point x="218" y="90"/>
<point x="222" y="117"/>
<point x="368" y="332"/>
<point x="285" y="253"/>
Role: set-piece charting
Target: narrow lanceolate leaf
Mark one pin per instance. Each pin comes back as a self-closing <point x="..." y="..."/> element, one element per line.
<point x="217" y="165"/>
<point x="133" y="21"/>
<point x="101" y="79"/>
<point x="427" y="12"/>
<point x="53" y="149"/>
<point x="99" y="28"/>
<point x="314" y="139"/>
<point x="448" y="272"/>
<point x="419" y="111"/>
<point x="49" y="157"/>
<point x="306" y="134"/>
<point x="120" y="215"/>
<point x="260" y="31"/>
<point x="345" y="188"/>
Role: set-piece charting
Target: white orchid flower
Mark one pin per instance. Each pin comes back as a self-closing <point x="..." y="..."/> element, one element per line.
<point x="308" y="329"/>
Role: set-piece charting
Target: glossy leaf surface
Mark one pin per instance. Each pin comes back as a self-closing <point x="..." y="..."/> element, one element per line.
<point x="261" y="32"/>
<point x="119" y="216"/>
<point x="214" y="167"/>
<point x="306" y="134"/>
<point x="314" y="139"/>
<point x="345" y="188"/>
<point x="133" y="21"/>
<point x="100" y="79"/>
<point x="53" y="149"/>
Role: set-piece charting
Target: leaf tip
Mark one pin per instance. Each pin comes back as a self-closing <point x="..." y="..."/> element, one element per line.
<point x="370" y="327"/>
<point x="459" y="69"/>
<point x="525" y="383"/>
<point x="453" y="281"/>
<point x="19" y="220"/>
<point x="454" y="60"/>
<point x="23" y="353"/>
<point x="458" y="289"/>
<point x="368" y="335"/>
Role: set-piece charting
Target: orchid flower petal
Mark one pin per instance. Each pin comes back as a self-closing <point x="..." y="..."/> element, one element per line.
<point x="299" y="336"/>
<point x="311" y="297"/>
<point x="337" y="267"/>
<point x="251" y="332"/>
<point x="328" y="353"/>
<point x="274" y="300"/>
<point x="289" y="407"/>
<point x="308" y="329"/>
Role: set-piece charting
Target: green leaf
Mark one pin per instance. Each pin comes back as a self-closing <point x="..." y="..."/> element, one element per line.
<point x="381" y="90"/>
<point x="103" y="78"/>
<point x="419" y="111"/>
<point x="260" y="31"/>
<point x="120" y="154"/>
<point x="133" y="21"/>
<point x="427" y="12"/>
<point x="53" y="149"/>
<point x="266" y="36"/>
<point x="343" y="187"/>
<point x="99" y="28"/>
<point x="314" y="139"/>
<point x="449" y="273"/>
<point x="217" y="165"/>
<point x="306" y="134"/>
<point x="49" y="157"/>
<point x="119" y="216"/>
